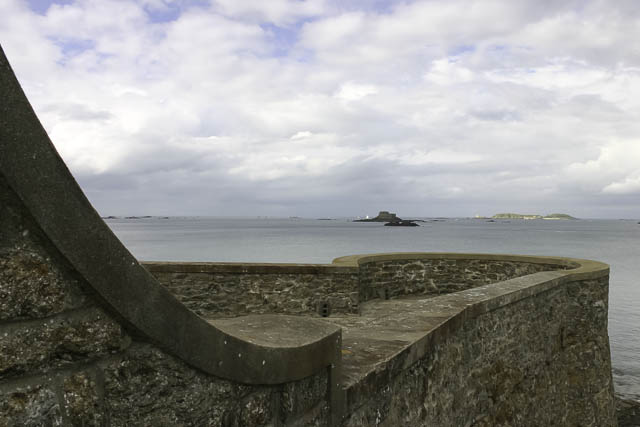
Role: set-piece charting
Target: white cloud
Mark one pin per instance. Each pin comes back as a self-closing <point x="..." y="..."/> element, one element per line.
<point x="310" y="101"/>
<point x="630" y="185"/>
<point x="616" y="170"/>
<point x="353" y="91"/>
<point x="446" y="72"/>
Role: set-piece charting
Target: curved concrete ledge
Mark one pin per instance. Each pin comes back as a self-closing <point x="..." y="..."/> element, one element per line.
<point x="37" y="174"/>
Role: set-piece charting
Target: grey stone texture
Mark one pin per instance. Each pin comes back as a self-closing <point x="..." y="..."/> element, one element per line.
<point x="400" y="277"/>
<point x="215" y="290"/>
<point x="628" y="411"/>
<point x="145" y="386"/>
<point x="33" y="406"/>
<point x="540" y="361"/>
<point x="31" y="284"/>
<point x="42" y="344"/>
<point x="218" y="290"/>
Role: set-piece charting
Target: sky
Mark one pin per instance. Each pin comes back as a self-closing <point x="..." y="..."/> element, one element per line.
<point x="326" y="108"/>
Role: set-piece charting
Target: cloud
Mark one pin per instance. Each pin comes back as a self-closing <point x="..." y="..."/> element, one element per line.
<point x="283" y="107"/>
<point x="352" y="91"/>
<point x="278" y="12"/>
<point x="614" y="171"/>
<point x="630" y="185"/>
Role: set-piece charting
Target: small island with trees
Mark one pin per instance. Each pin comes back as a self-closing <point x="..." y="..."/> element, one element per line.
<point x="553" y="216"/>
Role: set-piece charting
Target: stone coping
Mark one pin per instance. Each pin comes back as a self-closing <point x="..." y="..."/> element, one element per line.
<point x="36" y="173"/>
<point x="358" y="260"/>
<point x="347" y="264"/>
<point x="246" y="268"/>
<point x="351" y="264"/>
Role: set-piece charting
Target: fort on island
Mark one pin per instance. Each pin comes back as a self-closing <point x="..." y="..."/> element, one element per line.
<point x="383" y="216"/>
<point x="89" y="336"/>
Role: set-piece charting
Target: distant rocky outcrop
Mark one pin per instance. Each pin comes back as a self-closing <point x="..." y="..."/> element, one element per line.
<point x="402" y="223"/>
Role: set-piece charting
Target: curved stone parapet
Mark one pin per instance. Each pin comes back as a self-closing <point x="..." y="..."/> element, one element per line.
<point x="440" y="338"/>
<point x="392" y="275"/>
<point x="33" y="170"/>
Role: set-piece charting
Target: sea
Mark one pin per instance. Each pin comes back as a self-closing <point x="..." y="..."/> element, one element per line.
<point x="310" y="240"/>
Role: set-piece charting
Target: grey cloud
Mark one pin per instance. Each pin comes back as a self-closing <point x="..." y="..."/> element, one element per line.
<point x="196" y="115"/>
<point x="74" y="111"/>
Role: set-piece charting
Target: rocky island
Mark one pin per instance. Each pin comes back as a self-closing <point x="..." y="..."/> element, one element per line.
<point x="390" y="219"/>
<point x="383" y="216"/>
<point x="402" y="223"/>
<point x="525" y="216"/>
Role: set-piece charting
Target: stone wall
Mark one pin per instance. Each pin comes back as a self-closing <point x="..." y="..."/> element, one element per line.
<point x="216" y="290"/>
<point x="540" y="361"/>
<point x="66" y="360"/>
<point x="392" y="278"/>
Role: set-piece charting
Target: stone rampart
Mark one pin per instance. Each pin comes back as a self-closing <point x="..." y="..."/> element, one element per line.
<point x="216" y="290"/>
<point x="89" y="337"/>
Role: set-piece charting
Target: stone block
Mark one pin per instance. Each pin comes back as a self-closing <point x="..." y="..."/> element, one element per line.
<point x="30" y="406"/>
<point x="81" y="397"/>
<point x="300" y="396"/>
<point x="66" y="338"/>
<point x="32" y="287"/>
<point x="146" y="386"/>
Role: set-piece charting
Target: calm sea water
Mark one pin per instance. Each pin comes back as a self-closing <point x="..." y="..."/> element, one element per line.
<point x="616" y="242"/>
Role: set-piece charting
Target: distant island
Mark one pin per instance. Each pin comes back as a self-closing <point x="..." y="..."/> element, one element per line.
<point x="134" y="217"/>
<point x="383" y="216"/>
<point x="391" y="219"/>
<point x="524" y="216"/>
